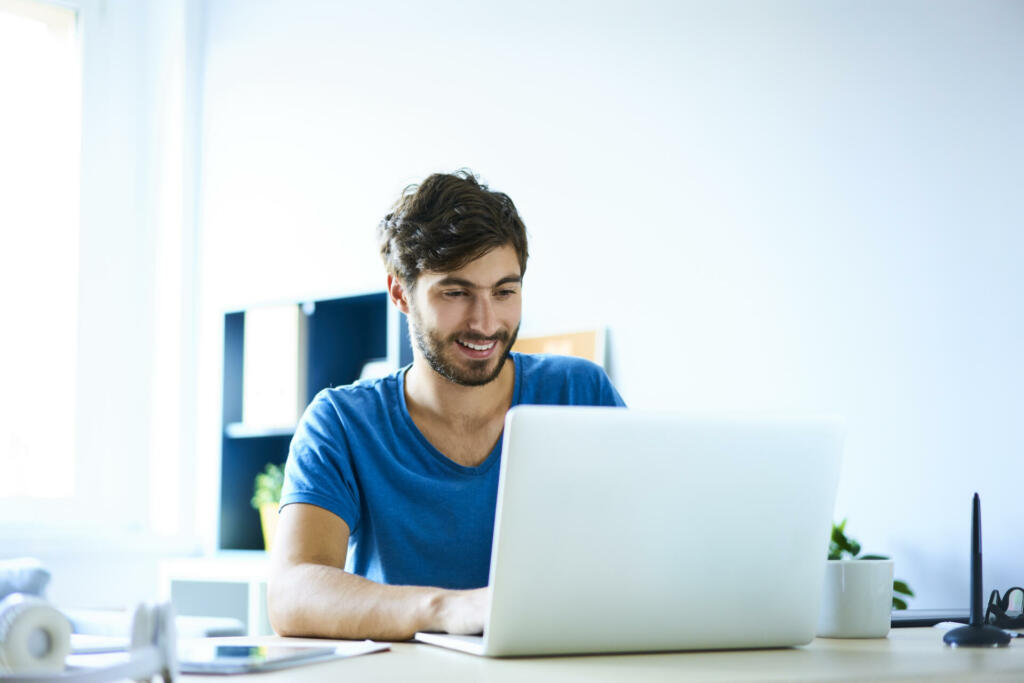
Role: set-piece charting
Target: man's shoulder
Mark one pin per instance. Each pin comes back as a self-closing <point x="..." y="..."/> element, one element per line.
<point x="359" y="399"/>
<point x="549" y="364"/>
<point x="564" y="380"/>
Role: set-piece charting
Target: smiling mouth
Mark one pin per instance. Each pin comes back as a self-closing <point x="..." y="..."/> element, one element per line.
<point x="478" y="347"/>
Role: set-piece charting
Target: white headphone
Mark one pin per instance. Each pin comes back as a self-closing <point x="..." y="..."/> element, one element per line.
<point x="153" y="652"/>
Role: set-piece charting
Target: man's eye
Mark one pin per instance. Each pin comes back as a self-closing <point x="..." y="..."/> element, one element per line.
<point x="506" y="292"/>
<point x="454" y="294"/>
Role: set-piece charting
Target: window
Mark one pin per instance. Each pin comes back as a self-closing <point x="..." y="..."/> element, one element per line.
<point x="40" y="139"/>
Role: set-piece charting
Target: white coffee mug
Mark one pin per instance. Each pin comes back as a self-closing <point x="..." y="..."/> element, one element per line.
<point x="856" y="600"/>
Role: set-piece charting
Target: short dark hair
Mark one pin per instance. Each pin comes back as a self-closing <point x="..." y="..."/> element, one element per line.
<point x="444" y="223"/>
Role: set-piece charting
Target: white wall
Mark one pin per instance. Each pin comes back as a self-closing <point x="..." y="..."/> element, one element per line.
<point x="800" y="206"/>
<point x="134" y="406"/>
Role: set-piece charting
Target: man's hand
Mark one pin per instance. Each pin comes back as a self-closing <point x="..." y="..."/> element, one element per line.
<point x="463" y="611"/>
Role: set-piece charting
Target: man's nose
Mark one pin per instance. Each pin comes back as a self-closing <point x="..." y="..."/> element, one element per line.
<point x="482" y="317"/>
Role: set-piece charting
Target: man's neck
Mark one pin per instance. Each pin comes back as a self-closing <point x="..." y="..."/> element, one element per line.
<point x="431" y="395"/>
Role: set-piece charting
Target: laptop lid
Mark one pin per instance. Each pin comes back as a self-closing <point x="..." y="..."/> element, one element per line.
<point x="627" y="531"/>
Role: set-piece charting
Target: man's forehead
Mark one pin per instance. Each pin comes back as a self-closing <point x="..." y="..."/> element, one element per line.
<point x="496" y="267"/>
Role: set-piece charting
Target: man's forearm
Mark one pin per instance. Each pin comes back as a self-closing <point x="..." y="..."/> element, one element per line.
<point x="321" y="601"/>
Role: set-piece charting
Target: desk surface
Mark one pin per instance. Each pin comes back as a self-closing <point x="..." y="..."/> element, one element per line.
<point x="908" y="653"/>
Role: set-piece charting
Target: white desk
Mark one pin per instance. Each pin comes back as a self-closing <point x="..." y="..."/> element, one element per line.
<point x="907" y="654"/>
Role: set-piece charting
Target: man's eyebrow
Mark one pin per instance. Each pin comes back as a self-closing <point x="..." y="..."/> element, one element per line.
<point x="509" y="280"/>
<point x="451" y="280"/>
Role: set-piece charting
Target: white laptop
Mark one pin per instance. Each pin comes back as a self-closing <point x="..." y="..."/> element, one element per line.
<point x="620" y="530"/>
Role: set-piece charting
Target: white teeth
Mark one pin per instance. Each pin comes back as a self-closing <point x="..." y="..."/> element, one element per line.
<point x="477" y="347"/>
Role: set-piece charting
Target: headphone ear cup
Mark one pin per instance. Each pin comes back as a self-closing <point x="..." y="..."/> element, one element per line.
<point x="143" y="625"/>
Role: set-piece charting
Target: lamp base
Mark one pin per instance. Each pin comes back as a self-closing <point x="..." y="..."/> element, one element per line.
<point x="977" y="636"/>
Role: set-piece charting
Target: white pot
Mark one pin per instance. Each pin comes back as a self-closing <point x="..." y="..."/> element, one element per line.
<point x="856" y="599"/>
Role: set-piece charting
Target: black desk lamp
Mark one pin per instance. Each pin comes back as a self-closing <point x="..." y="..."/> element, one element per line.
<point x="977" y="633"/>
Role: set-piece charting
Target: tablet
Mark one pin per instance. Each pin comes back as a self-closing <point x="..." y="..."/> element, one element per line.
<point x="210" y="658"/>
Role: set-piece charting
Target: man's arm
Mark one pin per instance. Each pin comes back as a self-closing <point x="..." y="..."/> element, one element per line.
<point x="310" y="593"/>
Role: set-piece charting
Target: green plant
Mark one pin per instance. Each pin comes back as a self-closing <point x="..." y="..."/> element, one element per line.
<point x="267" y="486"/>
<point x="842" y="547"/>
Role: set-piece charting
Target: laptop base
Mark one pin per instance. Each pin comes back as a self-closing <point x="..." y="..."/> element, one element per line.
<point x="473" y="645"/>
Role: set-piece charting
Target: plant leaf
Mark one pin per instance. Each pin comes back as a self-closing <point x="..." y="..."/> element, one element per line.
<point x="874" y="557"/>
<point x="901" y="587"/>
<point x="267" y="485"/>
<point x="840" y="544"/>
<point x="898" y="604"/>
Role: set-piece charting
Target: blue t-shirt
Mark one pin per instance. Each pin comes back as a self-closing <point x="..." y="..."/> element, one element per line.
<point x="415" y="517"/>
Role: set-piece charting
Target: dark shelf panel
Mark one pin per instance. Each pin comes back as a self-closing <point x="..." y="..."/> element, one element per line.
<point x="241" y="461"/>
<point x="234" y="335"/>
<point x="342" y="335"/>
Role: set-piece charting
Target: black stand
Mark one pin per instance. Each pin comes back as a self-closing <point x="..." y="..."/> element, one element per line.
<point x="976" y="633"/>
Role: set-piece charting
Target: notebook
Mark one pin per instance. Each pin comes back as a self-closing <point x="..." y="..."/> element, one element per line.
<point x="621" y="530"/>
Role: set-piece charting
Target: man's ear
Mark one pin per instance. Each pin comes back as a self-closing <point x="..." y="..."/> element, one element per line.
<point x="398" y="293"/>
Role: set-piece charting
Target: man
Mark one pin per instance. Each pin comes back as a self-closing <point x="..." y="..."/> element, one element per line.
<point x="390" y="486"/>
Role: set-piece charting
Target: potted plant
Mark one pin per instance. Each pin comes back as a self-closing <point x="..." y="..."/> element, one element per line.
<point x="842" y="547"/>
<point x="266" y="498"/>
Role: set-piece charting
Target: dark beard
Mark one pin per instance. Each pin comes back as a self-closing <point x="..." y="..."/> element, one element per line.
<point x="432" y="347"/>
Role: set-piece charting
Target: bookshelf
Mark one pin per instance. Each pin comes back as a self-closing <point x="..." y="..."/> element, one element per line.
<point x="333" y="339"/>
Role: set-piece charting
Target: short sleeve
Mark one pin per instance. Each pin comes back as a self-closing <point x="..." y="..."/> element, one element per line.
<point x="606" y="392"/>
<point x="319" y="470"/>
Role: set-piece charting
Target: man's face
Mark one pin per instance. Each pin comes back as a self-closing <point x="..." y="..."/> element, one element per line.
<point x="465" y="322"/>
